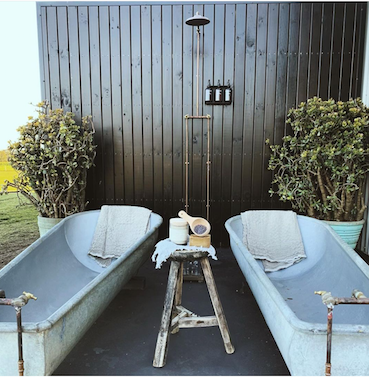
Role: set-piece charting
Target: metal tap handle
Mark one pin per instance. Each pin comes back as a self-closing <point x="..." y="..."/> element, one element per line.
<point x="327" y="298"/>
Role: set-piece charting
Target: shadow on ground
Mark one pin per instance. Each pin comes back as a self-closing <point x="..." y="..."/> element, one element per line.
<point x="122" y="341"/>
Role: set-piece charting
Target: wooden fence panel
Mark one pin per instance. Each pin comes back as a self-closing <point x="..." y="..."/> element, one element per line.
<point x="133" y="68"/>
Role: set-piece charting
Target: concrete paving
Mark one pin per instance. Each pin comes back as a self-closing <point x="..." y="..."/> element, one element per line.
<point x="122" y="341"/>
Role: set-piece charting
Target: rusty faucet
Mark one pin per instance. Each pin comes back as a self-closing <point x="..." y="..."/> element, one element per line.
<point x="18" y="303"/>
<point x="330" y="301"/>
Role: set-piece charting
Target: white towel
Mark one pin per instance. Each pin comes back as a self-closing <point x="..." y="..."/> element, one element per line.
<point x="118" y="228"/>
<point x="165" y="248"/>
<point x="274" y="237"/>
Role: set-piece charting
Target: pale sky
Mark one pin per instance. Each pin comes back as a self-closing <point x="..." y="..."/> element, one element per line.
<point x="19" y="67"/>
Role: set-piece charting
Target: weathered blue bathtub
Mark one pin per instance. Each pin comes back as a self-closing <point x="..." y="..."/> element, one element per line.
<point x="296" y="317"/>
<point x="72" y="291"/>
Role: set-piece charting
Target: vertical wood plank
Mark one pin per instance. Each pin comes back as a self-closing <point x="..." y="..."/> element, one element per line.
<point x="157" y="108"/>
<point x="259" y="110"/>
<point x="126" y="69"/>
<point x="293" y="49"/>
<point x="238" y="85"/>
<point x="361" y="49"/>
<point x="74" y="50"/>
<point x="216" y="177"/>
<point x="85" y="92"/>
<point x="45" y="55"/>
<point x="147" y="106"/>
<point x="230" y="13"/>
<point x="63" y="49"/>
<point x="353" y="50"/>
<point x="96" y="99"/>
<point x="84" y="60"/>
<point x="136" y="46"/>
<point x="281" y="80"/>
<point x="314" y="49"/>
<point x="270" y="93"/>
<point x="334" y="74"/>
<point x="303" y="56"/>
<point x="358" y="50"/>
<point x="116" y="98"/>
<point x="167" y="109"/>
<point x="53" y="48"/>
<point x="106" y="100"/>
<point x="178" y="183"/>
<point x="348" y="41"/>
<point x="326" y="41"/>
<point x="208" y="76"/>
<point x="248" y="125"/>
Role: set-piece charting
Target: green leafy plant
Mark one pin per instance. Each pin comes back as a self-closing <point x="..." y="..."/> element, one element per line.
<point x="321" y="167"/>
<point x="52" y="157"/>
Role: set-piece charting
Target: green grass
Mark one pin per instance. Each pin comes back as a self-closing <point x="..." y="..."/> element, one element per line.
<point x="18" y="227"/>
<point x="6" y="173"/>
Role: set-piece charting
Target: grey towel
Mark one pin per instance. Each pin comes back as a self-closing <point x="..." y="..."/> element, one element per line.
<point x="118" y="228"/>
<point x="274" y="237"/>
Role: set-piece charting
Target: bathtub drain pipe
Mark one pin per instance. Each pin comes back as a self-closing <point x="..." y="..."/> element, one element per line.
<point x="18" y="303"/>
<point x="330" y="301"/>
<point x="329" y="341"/>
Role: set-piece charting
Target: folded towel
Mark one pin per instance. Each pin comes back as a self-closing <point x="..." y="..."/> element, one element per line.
<point x="274" y="237"/>
<point x="118" y="228"/>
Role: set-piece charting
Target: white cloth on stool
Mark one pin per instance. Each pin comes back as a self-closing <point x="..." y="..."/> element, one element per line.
<point x="118" y="228"/>
<point x="165" y="248"/>
<point x="274" y="237"/>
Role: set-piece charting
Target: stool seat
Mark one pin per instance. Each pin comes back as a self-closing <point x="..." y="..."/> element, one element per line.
<point x="175" y="316"/>
<point x="188" y="255"/>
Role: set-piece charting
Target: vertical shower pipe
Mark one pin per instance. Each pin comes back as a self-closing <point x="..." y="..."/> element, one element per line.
<point x="197" y="70"/>
<point x="208" y="174"/>
<point x="186" y="165"/>
<point x="198" y="21"/>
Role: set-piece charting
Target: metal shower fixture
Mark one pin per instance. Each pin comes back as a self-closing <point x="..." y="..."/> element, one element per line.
<point x="197" y="20"/>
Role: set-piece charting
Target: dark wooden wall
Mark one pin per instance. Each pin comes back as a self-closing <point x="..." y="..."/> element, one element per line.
<point x="133" y="67"/>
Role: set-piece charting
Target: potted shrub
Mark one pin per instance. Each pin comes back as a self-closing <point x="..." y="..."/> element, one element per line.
<point x="52" y="157"/>
<point x="321" y="167"/>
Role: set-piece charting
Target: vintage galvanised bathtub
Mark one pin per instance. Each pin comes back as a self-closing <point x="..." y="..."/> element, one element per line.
<point x="72" y="291"/>
<point x="296" y="317"/>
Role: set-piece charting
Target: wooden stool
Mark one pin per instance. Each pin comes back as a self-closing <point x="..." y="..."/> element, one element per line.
<point x="176" y="316"/>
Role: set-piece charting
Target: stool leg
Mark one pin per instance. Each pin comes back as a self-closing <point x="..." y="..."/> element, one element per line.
<point x="163" y="336"/>
<point x="217" y="305"/>
<point x="178" y="295"/>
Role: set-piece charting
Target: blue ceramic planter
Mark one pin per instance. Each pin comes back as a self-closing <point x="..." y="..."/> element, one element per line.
<point x="349" y="231"/>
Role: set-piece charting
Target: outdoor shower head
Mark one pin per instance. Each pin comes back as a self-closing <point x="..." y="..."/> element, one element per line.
<point x="197" y="20"/>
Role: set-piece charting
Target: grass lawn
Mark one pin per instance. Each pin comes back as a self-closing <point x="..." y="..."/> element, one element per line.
<point x="18" y="227"/>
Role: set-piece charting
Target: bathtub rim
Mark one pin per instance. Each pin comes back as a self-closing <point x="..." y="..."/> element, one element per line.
<point x="38" y="327"/>
<point x="290" y="316"/>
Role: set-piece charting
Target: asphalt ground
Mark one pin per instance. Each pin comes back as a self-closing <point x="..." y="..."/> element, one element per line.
<point x="122" y="340"/>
